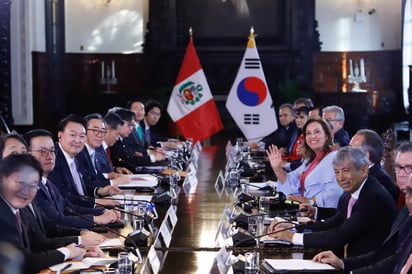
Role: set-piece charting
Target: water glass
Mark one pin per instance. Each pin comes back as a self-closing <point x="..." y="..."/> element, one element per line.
<point x="264" y="204"/>
<point x="128" y="201"/>
<point x="138" y="224"/>
<point x="252" y="262"/>
<point x="125" y="265"/>
<point x="244" y="183"/>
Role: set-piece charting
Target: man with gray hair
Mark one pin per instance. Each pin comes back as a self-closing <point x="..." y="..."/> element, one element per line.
<point x="335" y="116"/>
<point x="359" y="224"/>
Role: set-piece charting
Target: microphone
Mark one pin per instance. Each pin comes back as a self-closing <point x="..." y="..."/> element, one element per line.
<point x="88" y="198"/>
<point x="246" y="239"/>
<point x="128" y="240"/>
<point x="179" y="163"/>
<point x="118" y="208"/>
<point x="245" y="206"/>
<point x="242" y="219"/>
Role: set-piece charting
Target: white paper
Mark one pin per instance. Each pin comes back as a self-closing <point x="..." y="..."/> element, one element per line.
<point x="120" y="198"/>
<point x="297" y="264"/>
<point x="111" y="243"/>
<point x="140" y="180"/>
<point x="84" y="264"/>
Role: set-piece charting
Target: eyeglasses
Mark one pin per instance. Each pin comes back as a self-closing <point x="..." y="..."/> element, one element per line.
<point x="29" y="187"/>
<point x="45" y="152"/>
<point x="98" y="131"/>
<point x="407" y="168"/>
<point x="333" y="120"/>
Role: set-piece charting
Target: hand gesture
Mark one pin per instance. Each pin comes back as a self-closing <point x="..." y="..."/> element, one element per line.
<point x="275" y="157"/>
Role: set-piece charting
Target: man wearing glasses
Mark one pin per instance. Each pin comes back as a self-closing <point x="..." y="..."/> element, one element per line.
<point x="90" y="157"/>
<point x="335" y="117"/>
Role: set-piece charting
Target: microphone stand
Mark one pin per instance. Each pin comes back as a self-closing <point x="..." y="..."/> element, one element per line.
<point x="272" y="232"/>
<point x="152" y="205"/>
<point x="147" y="219"/>
<point x="127" y="239"/>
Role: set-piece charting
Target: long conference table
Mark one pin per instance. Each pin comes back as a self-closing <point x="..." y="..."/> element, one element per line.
<point x="196" y="216"/>
<point x="199" y="210"/>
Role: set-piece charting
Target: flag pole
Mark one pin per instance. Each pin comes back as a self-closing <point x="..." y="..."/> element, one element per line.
<point x="251" y="38"/>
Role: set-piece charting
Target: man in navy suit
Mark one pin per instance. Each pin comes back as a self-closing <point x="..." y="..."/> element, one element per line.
<point x="90" y="157"/>
<point x="371" y="143"/>
<point x="48" y="197"/>
<point x="66" y="173"/>
<point x="364" y="216"/>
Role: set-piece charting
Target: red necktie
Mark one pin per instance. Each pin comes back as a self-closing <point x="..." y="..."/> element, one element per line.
<point x="401" y="200"/>
<point x="108" y="156"/>
<point x="20" y="227"/>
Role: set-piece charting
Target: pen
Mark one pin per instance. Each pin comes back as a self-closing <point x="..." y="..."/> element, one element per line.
<point x="67" y="266"/>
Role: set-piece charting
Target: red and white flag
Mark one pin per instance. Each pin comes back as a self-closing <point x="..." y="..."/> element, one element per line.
<point x="191" y="105"/>
<point x="249" y="101"/>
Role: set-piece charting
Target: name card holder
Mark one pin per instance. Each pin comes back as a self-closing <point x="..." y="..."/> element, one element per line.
<point x="220" y="183"/>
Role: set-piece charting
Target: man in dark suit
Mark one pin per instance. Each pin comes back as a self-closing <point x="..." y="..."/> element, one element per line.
<point x="389" y="254"/>
<point x="365" y="212"/>
<point x="89" y="158"/>
<point x="335" y="116"/>
<point x="122" y="153"/>
<point x="66" y="173"/>
<point x="104" y="163"/>
<point x="36" y="230"/>
<point x="153" y="112"/>
<point x="403" y="261"/>
<point x="137" y="106"/>
<point x="284" y="137"/>
<point x="20" y="175"/>
<point x="371" y="142"/>
<point x="48" y="197"/>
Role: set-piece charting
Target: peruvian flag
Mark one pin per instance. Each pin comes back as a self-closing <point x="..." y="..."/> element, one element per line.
<point x="191" y="105"/>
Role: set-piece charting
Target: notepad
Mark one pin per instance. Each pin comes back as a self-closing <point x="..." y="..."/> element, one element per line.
<point x="141" y="181"/>
<point x="295" y="264"/>
<point x="84" y="264"/>
<point x="120" y="198"/>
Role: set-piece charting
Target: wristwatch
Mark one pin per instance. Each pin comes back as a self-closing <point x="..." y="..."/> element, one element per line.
<point x="312" y="202"/>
